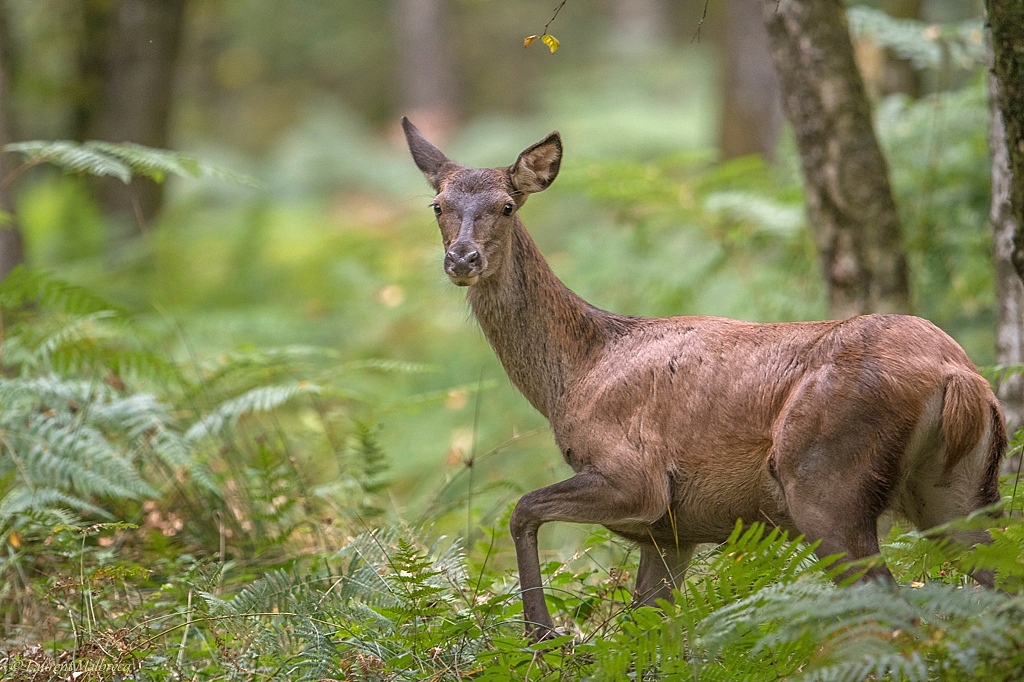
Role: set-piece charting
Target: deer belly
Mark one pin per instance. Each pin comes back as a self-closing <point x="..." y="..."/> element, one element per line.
<point x="708" y="512"/>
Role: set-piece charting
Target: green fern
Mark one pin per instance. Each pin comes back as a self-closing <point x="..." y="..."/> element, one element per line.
<point x="259" y="399"/>
<point x="923" y="44"/>
<point x="28" y="286"/>
<point x="367" y="465"/>
<point x="123" y="160"/>
<point x="916" y="634"/>
<point x="73" y="157"/>
<point x="765" y="214"/>
<point x="72" y="443"/>
<point x="752" y="558"/>
<point x="58" y="327"/>
<point x="397" y="602"/>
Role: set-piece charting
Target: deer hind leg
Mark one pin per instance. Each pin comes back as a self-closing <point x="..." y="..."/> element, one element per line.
<point x="661" y="570"/>
<point x="835" y="489"/>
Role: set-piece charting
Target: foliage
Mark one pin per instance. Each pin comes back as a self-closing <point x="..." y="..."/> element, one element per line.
<point x="160" y="522"/>
<point x="549" y="40"/>
<point x="718" y="220"/>
<point x="396" y="602"/>
<point x="944" y="198"/>
<point x="170" y="509"/>
<point x="204" y="458"/>
<point x="739" y="226"/>
<point x="121" y="160"/>
<point x="925" y="45"/>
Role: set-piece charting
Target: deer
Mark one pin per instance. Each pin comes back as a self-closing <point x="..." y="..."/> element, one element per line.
<point x="678" y="427"/>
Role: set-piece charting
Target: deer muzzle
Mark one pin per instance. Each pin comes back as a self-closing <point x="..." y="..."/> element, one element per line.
<point x="463" y="264"/>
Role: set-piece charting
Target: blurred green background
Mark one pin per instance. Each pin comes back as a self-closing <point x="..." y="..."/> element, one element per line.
<point x="654" y="212"/>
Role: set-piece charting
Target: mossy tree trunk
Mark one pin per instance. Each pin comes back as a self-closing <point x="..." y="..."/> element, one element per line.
<point x="135" y="104"/>
<point x="1006" y="144"/>
<point x="850" y="205"/>
<point x="12" y="249"/>
<point x="1006" y="22"/>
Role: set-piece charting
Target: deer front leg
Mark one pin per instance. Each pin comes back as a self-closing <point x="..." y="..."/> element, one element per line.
<point x="587" y="497"/>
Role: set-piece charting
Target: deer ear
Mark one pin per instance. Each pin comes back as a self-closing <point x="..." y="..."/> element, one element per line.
<point x="537" y="167"/>
<point x="428" y="158"/>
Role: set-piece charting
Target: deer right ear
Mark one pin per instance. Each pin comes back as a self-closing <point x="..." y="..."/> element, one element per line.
<point x="537" y="167"/>
<point x="428" y="158"/>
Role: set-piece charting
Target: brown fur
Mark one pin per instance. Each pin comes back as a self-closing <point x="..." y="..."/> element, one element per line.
<point x="677" y="427"/>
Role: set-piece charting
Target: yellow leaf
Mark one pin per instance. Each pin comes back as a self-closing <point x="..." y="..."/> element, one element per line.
<point x="550" y="41"/>
<point x="15" y="539"/>
<point x="528" y="40"/>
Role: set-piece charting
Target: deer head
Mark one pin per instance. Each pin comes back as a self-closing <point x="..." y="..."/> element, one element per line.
<point x="476" y="207"/>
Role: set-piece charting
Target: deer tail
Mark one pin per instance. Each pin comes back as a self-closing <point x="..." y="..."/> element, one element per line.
<point x="972" y="419"/>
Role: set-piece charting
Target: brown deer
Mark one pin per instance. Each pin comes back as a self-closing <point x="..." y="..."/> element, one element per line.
<point x="678" y="427"/>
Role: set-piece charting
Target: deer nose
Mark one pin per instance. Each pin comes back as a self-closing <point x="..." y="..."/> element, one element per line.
<point x="463" y="262"/>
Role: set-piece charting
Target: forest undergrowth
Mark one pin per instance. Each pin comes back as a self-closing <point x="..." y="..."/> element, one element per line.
<point x="164" y="520"/>
<point x="169" y="514"/>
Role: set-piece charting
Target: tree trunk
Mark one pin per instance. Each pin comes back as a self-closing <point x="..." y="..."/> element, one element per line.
<point x="1007" y="225"/>
<point x="751" y="117"/>
<point x="850" y="205"/>
<point x="91" y="67"/>
<point x="426" y="68"/>
<point x="1006" y="22"/>
<point x="1009" y="287"/>
<point x="137" y="97"/>
<point x="641" y="26"/>
<point x="12" y="248"/>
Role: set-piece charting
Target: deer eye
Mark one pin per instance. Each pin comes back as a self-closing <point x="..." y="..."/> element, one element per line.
<point x="437" y="208"/>
<point x="507" y="210"/>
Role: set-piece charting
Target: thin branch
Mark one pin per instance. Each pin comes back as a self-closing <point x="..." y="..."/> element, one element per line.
<point x="559" y="9"/>
<point x="700" y="24"/>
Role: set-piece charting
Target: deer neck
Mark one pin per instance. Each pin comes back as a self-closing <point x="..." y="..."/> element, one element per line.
<point x="541" y="331"/>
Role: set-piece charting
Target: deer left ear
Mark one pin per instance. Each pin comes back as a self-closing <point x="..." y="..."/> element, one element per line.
<point x="537" y="167"/>
<point x="429" y="159"/>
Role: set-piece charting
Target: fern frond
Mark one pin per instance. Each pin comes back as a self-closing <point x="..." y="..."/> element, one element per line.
<point x="868" y="631"/>
<point x="274" y="592"/>
<point x="387" y="568"/>
<point x="925" y="45"/>
<point x="75" y="456"/>
<point x="122" y="160"/>
<point x="152" y="163"/>
<point x="395" y="366"/>
<point x="23" y="500"/>
<point x="748" y="561"/>
<point x="66" y="335"/>
<point x="1002" y="555"/>
<point x="259" y="399"/>
<point x="83" y="440"/>
<point x="26" y="285"/>
<point x="263" y="362"/>
<point x="147" y="424"/>
<point x="247" y="367"/>
<point x="765" y="213"/>
<point x="910" y="667"/>
<point x="365" y="467"/>
<point x="72" y="157"/>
